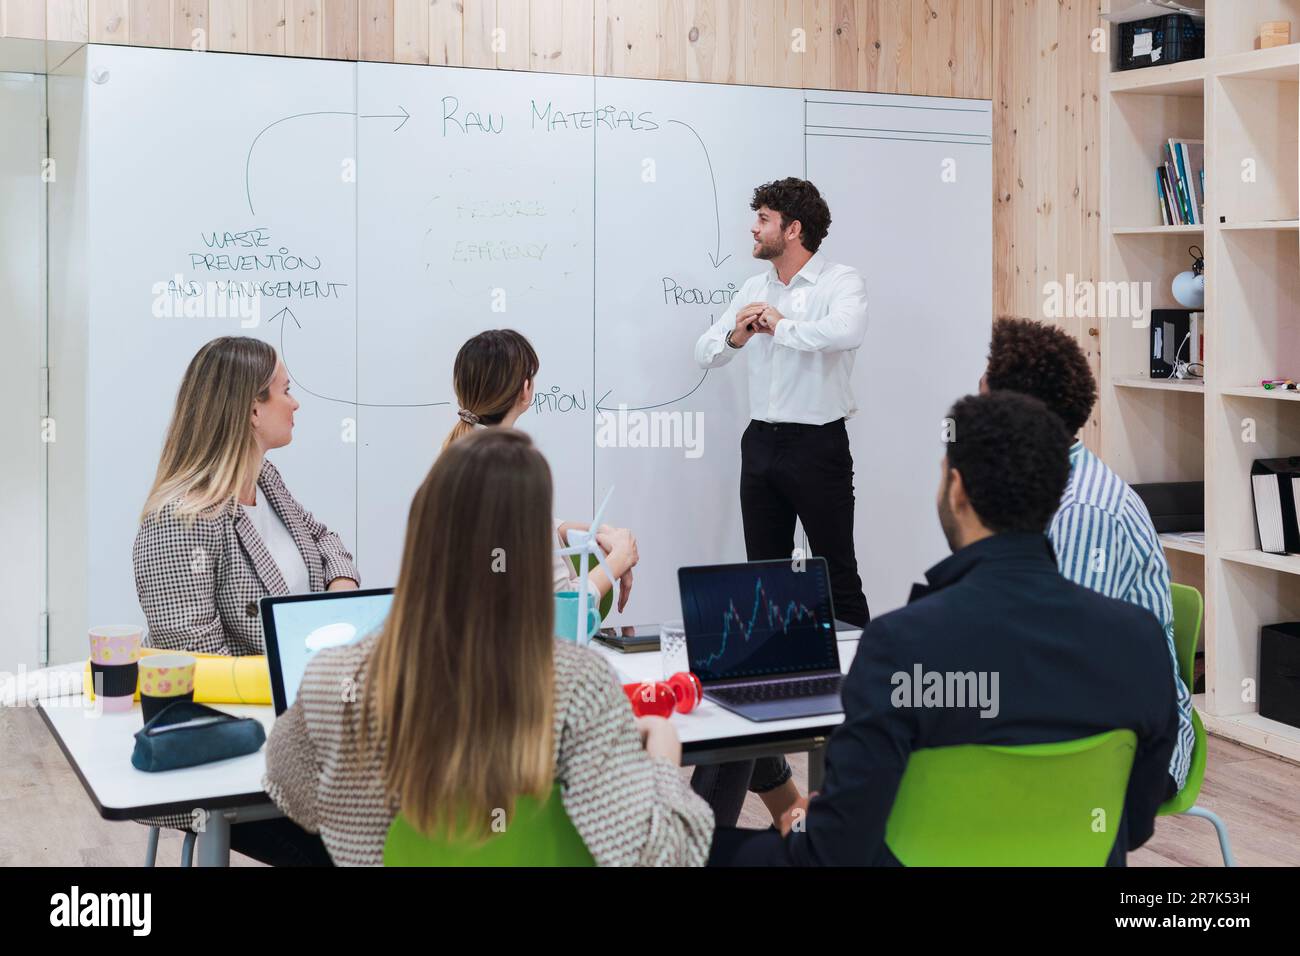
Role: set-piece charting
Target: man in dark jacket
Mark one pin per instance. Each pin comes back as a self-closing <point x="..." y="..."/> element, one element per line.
<point x="1053" y="660"/>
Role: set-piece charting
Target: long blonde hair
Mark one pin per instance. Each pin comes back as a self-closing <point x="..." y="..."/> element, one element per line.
<point x="210" y="451"/>
<point x="489" y="373"/>
<point x="460" y="689"/>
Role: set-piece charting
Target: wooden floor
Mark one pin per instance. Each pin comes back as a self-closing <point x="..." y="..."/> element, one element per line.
<point x="49" y="821"/>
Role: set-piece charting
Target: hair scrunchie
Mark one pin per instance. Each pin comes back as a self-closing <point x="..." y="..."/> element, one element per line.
<point x="467" y="416"/>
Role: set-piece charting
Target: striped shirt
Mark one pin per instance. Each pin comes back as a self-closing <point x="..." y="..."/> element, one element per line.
<point x="1104" y="540"/>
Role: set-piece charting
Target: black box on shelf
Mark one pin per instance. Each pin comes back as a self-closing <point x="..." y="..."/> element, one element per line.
<point x="1279" y="672"/>
<point x="1155" y="41"/>
<point x="1174" y="505"/>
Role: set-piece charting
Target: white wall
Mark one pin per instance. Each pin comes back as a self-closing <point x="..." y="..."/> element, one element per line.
<point x="22" y="314"/>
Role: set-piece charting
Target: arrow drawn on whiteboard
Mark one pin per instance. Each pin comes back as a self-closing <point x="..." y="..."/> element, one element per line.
<point x="717" y="220"/>
<point x="284" y="357"/>
<point x="642" y="408"/>
<point x="248" y="163"/>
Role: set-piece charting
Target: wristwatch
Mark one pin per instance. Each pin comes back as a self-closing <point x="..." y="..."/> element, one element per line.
<point x="729" y="342"/>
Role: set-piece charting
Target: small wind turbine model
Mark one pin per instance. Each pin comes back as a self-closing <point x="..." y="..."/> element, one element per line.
<point x="583" y="545"/>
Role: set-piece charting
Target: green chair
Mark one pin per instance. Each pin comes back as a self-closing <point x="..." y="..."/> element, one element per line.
<point x="540" y="834"/>
<point x="1188" y="608"/>
<point x="1053" y="804"/>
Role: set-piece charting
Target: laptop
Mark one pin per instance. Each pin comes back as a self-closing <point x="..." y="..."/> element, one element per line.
<point x="297" y="626"/>
<point x="761" y="637"/>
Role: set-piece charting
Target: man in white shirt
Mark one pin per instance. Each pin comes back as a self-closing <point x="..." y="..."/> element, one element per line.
<point x="800" y="323"/>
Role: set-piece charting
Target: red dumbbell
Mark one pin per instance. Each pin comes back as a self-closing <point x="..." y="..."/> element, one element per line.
<point x="681" y="692"/>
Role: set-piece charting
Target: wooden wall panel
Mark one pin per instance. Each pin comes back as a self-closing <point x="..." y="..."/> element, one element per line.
<point x="885" y="46"/>
<point x="758" y="51"/>
<point x="950" y="41"/>
<point x="267" y="26"/>
<point x="110" y="21"/>
<point x="339" y="29"/>
<point x="446" y="30"/>
<point x="516" y="36"/>
<point x="476" y="39"/>
<point x="562" y="36"/>
<point x="188" y="16"/>
<point x="375" y="37"/>
<point x="228" y="25"/>
<point x="411" y="31"/>
<point x="713" y="39"/>
<point x="933" y="47"/>
<point x="23" y="18"/>
<point x="302" y="35"/>
<point x="67" y="21"/>
<point x="1046" y="172"/>
<point x="817" y="58"/>
<point x="151" y="23"/>
<point x="789" y="43"/>
<point x="627" y="38"/>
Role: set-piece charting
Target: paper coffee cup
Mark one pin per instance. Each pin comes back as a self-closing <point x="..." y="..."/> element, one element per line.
<point x="165" y="679"/>
<point x="114" y="664"/>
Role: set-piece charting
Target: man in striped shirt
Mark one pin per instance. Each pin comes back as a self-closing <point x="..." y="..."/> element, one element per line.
<point x="1102" y="533"/>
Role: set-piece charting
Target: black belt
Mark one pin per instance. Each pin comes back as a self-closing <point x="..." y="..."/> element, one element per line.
<point x="792" y="426"/>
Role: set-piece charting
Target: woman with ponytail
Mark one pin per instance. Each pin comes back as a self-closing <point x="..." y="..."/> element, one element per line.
<point x="494" y="375"/>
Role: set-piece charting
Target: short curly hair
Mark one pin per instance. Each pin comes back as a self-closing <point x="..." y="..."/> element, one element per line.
<point x="1043" y="361"/>
<point x="797" y="199"/>
<point x="1013" y="456"/>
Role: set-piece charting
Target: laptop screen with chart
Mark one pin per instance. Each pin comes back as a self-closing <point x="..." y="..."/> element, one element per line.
<point x="759" y="619"/>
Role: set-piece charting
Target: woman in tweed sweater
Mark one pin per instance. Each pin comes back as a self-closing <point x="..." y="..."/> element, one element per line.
<point x="464" y="701"/>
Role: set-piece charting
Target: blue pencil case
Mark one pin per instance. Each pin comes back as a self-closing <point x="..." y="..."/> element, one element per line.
<point x="186" y="734"/>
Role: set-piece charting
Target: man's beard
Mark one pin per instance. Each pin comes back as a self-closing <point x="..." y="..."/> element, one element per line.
<point x="766" y="251"/>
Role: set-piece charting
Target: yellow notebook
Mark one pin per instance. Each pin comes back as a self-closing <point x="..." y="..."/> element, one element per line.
<point x="218" y="679"/>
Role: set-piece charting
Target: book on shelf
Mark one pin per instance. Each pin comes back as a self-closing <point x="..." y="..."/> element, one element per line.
<point x="1180" y="183"/>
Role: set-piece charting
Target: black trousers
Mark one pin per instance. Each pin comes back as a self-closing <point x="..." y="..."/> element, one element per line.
<point x="805" y="472"/>
<point x="790" y="471"/>
<point x="279" y="842"/>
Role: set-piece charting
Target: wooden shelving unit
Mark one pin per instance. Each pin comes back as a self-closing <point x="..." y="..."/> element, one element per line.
<point x="1245" y="104"/>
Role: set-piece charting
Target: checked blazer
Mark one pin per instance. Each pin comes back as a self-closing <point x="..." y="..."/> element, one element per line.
<point x="199" y="582"/>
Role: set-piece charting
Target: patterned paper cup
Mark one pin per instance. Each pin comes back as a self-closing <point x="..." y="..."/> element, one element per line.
<point x="165" y="679"/>
<point x="114" y="664"/>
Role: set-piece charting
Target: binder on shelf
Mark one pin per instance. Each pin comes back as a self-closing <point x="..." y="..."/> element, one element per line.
<point x="1275" y="483"/>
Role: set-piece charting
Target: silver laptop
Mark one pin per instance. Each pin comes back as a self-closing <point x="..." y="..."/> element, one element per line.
<point x="761" y="637"/>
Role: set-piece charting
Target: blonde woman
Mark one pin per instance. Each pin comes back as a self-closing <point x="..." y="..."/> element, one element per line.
<point x="220" y="530"/>
<point x="465" y="702"/>
<point x="493" y="376"/>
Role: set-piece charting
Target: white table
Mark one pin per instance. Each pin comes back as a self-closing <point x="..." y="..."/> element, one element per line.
<point x="98" y="748"/>
<point x="230" y="791"/>
<point x="713" y="734"/>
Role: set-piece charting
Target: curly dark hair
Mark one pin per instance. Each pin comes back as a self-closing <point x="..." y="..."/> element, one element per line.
<point x="1013" y="455"/>
<point x="1043" y="361"/>
<point x="797" y="199"/>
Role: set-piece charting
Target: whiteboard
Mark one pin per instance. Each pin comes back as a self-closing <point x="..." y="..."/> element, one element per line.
<point x="606" y="219"/>
<point x="909" y="183"/>
<point x="192" y="156"/>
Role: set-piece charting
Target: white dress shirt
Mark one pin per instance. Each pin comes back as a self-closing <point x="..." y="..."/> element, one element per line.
<point x="802" y="372"/>
<point x="280" y="546"/>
